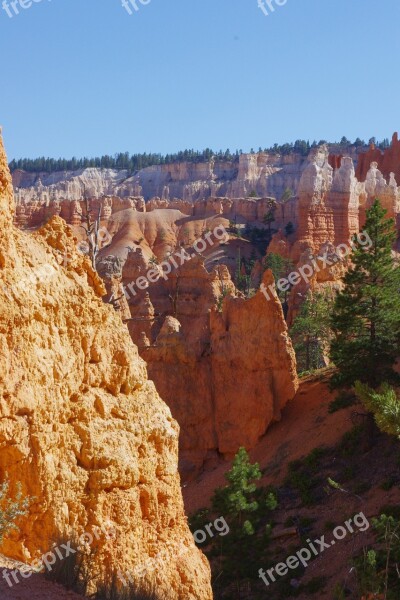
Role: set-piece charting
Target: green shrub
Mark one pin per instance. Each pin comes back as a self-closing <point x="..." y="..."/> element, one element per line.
<point x="377" y="567"/>
<point x="367" y="576"/>
<point x="391" y="511"/>
<point x="198" y="519"/>
<point x="339" y="592"/>
<point x="384" y="404"/>
<point x="302" y="475"/>
<point x="11" y="509"/>
<point x="389" y="483"/>
<point x="351" y="441"/>
<point x="342" y="400"/>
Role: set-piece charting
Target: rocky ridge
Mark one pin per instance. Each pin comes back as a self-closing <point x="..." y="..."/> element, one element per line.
<point x="263" y="174"/>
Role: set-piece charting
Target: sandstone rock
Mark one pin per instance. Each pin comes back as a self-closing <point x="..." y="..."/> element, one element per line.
<point x="253" y="366"/>
<point x="387" y="161"/>
<point x="196" y="355"/>
<point x="81" y="426"/>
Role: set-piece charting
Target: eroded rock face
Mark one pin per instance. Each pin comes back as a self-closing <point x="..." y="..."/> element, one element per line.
<point x="181" y="183"/>
<point x="225" y="368"/>
<point x="331" y="209"/>
<point x="81" y="426"/>
<point x="388" y="161"/>
<point x="253" y="368"/>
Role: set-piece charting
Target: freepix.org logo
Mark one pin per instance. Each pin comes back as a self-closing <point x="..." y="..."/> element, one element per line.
<point x="267" y="6"/>
<point x="12" y="7"/>
<point x="133" y="5"/>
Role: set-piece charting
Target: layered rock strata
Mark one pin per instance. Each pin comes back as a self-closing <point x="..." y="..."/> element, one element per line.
<point x="261" y="173"/>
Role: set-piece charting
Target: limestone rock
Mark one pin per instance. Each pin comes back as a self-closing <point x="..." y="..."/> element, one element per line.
<point x="81" y="426"/>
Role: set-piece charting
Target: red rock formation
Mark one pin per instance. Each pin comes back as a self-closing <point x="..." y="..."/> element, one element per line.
<point x="328" y="215"/>
<point x="195" y="353"/>
<point x="253" y="366"/>
<point x="387" y="161"/>
<point x="335" y="160"/>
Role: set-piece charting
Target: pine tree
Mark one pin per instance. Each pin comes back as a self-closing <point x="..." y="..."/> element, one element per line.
<point x="269" y="216"/>
<point x="311" y="332"/>
<point x="366" y="314"/>
<point x="384" y="404"/>
<point x="245" y="508"/>
<point x="237" y="498"/>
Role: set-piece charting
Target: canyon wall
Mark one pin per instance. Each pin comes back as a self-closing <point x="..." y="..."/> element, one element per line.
<point x="178" y="323"/>
<point x="331" y="206"/>
<point x="261" y="173"/>
<point x="194" y="341"/>
<point x="332" y="203"/>
<point x="81" y="426"/>
<point x="214" y="187"/>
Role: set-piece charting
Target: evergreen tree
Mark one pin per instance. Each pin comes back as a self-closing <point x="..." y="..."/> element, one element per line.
<point x="236" y="500"/>
<point x="281" y="267"/>
<point x="359" y="143"/>
<point x="245" y="507"/>
<point x="384" y="404"/>
<point x="311" y="332"/>
<point x="269" y="216"/>
<point x="366" y="314"/>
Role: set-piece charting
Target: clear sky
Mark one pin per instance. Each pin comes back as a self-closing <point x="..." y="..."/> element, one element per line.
<point x="83" y="77"/>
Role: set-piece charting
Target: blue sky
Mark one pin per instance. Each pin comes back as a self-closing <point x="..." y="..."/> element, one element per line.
<point x="83" y="77"/>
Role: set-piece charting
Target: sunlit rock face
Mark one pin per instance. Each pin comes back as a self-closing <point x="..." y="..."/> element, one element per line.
<point x="81" y="426"/>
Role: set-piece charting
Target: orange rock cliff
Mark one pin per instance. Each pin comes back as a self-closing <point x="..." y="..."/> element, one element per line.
<point x="192" y="341"/>
<point x="81" y="426"/>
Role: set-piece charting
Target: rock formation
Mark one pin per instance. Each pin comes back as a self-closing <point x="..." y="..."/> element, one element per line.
<point x="196" y="346"/>
<point x="331" y="205"/>
<point x="388" y="160"/>
<point x="185" y="182"/>
<point x="174" y="322"/>
<point x="328" y="203"/>
<point x="81" y="426"/>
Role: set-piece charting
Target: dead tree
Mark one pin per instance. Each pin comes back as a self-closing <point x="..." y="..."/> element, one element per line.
<point x="92" y="230"/>
<point x="174" y="298"/>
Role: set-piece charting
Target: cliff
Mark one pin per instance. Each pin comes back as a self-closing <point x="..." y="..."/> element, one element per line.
<point x="81" y="426"/>
<point x="331" y="205"/>
<point x="265" y="174"/>
<point x="208" y="358"/>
